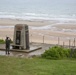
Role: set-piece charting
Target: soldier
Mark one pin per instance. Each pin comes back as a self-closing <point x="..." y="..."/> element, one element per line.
<point x="7" y="41"/>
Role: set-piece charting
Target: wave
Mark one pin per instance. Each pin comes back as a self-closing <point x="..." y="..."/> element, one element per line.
<point x="6" y="26"/>
<point x="47" y="27"/>
<point x="36" y="16"/>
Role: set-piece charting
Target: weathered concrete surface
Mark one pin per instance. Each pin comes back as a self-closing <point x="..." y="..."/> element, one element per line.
<point x="35" y="49"/>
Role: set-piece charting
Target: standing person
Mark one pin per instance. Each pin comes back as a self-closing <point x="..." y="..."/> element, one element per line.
<point x="7" y="41"/>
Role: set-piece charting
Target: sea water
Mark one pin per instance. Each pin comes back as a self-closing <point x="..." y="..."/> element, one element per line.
<point x="38" y="9"/>
<point x="61" y="10"/>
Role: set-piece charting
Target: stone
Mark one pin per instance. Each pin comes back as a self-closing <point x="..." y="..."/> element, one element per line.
<point x="21" y="37"/>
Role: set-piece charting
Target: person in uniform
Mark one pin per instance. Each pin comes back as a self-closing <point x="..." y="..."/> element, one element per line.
<point x="7" y="42"/>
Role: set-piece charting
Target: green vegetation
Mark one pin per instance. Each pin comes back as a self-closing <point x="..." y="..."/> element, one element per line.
<point x="2" y="41"/>
<point x="36" y="66"/>
<point x="56" y="52"/>
<point x="73" y="53"/>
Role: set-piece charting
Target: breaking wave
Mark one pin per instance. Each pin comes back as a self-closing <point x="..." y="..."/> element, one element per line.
<point x="36" y="16"/>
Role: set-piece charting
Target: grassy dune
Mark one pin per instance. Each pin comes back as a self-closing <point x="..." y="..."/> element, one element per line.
<point x="36" y="66"/>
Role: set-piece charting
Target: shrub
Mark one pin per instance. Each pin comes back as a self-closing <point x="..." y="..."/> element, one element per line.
<point x="2" y="41"/>
<point x="73" y="53"/>
<point x="56" y="52"/>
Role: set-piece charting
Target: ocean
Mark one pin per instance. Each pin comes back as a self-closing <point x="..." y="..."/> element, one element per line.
<point x="38" y="9"/>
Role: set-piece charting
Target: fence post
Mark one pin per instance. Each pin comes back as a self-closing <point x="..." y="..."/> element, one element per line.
<point x="74" y="42"/>
<point x="69" y="43"/>
<point x="63" y="44"/>
<point x="58" y="40"/>
<point x="31" y="38"/>
<point x="43" y="39"/>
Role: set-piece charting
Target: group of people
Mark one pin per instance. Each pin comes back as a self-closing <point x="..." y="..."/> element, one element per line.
<point x="7" y="45"/>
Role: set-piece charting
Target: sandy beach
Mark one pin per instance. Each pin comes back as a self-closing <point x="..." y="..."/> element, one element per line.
<point x="44" y="31"/>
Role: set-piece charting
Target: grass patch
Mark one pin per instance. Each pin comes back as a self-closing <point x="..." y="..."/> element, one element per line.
<point x="2" y="41"/>
<point x="36" y="66"/>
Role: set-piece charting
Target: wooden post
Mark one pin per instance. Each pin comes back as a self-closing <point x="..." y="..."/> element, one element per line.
<point x="69" y="43"/>
<point x="58" y="40"/>
<point x="43" y="39"/>
<point x="74" y="42"/>
<point x="31" y="38"/>
<point x="63" y="44"/>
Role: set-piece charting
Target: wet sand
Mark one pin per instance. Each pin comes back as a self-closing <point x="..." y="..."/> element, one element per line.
<point x="28" y="22"/>
<point x="51" y="33"/>
<point x="10" y="22"/>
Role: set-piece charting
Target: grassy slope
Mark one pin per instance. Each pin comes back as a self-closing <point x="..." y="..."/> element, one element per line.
<point x="36" y="66"/>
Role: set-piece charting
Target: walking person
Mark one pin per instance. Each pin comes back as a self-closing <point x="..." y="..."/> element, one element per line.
<point x="7" y="42"/>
